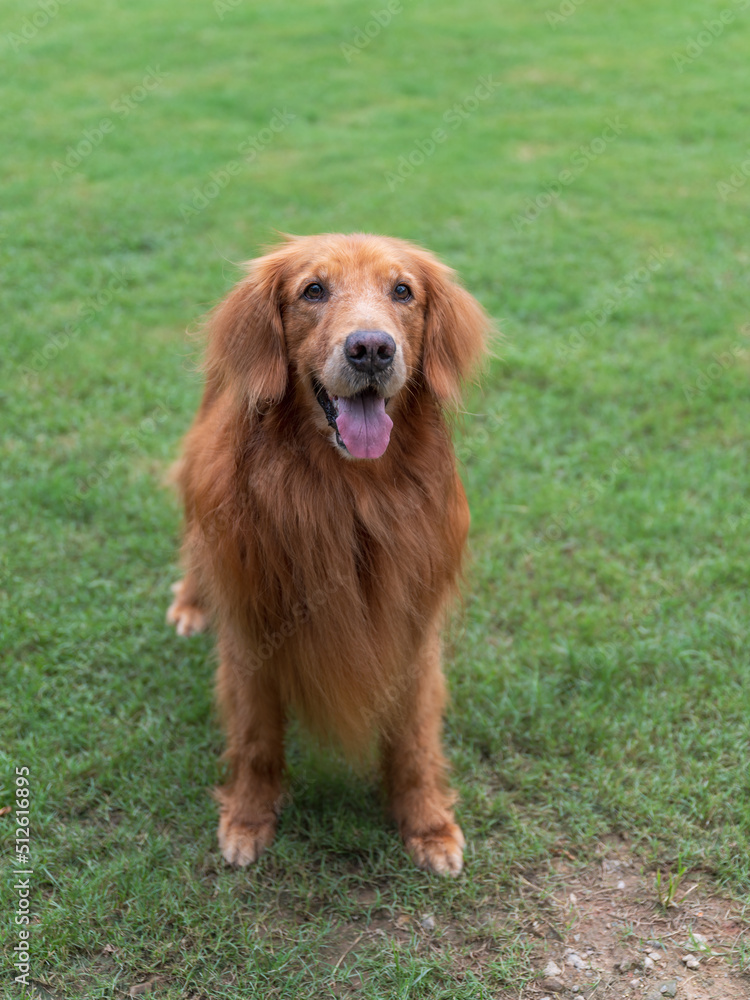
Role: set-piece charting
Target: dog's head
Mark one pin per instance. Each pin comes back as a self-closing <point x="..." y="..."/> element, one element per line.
<point x="348" y="323"/>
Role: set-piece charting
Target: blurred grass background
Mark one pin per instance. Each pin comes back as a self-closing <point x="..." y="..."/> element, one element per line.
<point x="599" y="671"/>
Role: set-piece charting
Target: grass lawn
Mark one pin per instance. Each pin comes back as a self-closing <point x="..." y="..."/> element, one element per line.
<point x="581" y="183"/>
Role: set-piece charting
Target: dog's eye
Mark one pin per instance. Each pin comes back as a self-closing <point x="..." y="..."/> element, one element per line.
<point x="402" y="293"/>
<point x="314" y="292"/>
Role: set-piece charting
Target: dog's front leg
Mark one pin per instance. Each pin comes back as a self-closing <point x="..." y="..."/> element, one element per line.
<point x="254" y="720"/>
<point x="414" y="770"/>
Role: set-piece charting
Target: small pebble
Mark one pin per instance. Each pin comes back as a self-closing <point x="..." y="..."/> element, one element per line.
<point x="691" y="961"/>
<point x="575" y="960"/>
<point x="427" y="923"/>
<point x="654" y="956"/>
<point x="648" y="963"/>
<point x="669" y="989"/>
<point x="554" y="985"/>
<point x="551" y="970"/>
<point x="621" y="884"/>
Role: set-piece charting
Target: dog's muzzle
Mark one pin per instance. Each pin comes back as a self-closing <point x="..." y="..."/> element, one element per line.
<point x="361" y="425"/>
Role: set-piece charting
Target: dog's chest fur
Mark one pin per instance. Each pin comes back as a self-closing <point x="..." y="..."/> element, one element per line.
<point x="345" y="569"/>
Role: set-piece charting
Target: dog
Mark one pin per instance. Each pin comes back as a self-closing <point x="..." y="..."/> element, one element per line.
<point x="325" y="522"/>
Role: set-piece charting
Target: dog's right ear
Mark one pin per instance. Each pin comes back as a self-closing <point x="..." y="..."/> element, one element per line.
<point x="246" y="347"/>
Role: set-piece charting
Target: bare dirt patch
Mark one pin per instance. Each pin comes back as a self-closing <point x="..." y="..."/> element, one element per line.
<point x="597" y="932"/>
<point x="602" y="932"/>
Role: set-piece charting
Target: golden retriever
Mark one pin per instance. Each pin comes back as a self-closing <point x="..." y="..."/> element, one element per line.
<point x="325" y="521"/>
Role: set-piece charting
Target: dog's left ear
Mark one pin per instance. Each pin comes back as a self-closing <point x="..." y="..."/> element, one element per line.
<point x="455" y="333"/>
<point x="246" y="346"/>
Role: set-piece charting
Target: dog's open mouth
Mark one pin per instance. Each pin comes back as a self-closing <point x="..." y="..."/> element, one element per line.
<point x="361" y="424"/>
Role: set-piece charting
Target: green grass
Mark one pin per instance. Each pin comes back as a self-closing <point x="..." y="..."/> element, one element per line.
<point x="599" y="670"/>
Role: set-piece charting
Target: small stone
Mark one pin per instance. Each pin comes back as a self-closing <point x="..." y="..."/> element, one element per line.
<point x="140" y="988"/>
<point x="576" y="988"/>
<point x="427" y="923"/>
<point x="654" y="956"/>
<point x="669" y="989"/>
<point x="576" y="937"/>
<point x="648" y="963"/>
<point x="625" y="965"/>
<point x="691" y="961"/>
<point x="621" y="884"/>
<point x="575" y="961"/>
<point x="553" y="985"/>
<point x="551" y="970"/>
<point x="700" y="940"/>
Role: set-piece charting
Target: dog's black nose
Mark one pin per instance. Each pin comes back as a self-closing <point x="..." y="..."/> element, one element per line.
<point x="369" y="351"/>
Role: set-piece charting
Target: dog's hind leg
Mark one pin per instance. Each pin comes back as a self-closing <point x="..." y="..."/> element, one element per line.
<point x="185" y="611"/>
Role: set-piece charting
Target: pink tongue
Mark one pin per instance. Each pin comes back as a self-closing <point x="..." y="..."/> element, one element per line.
<point x="363" y="424"/>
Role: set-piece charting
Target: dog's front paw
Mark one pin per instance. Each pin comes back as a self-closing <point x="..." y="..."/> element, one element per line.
<point x="187" y="618"/>
<point x="243" y="843"/>
<point x="439" y="851"/>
